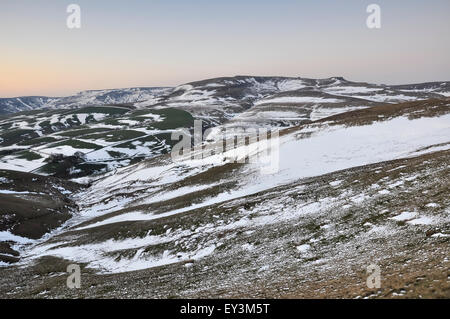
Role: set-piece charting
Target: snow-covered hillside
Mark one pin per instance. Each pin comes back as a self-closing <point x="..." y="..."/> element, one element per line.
<point x="359" y="175"/>
<point x="283" y="101"/>
<point x="84" y="98"/>
<point x="350" y="189"/>
<point x="107" y="137"/>
<point x="279" y="101"/>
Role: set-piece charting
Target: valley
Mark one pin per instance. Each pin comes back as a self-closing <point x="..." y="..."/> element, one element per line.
<point x="361" y="178"/>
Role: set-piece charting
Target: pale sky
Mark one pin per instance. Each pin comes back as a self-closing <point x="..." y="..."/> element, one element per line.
<point x="170" y="42"/>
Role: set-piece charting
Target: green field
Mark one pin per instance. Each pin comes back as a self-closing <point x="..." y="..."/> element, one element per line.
<point x="75" y="144"/>
<point x="81" y="132"/>
<point x="101" y="109"/>
<point x="115" y="136"/>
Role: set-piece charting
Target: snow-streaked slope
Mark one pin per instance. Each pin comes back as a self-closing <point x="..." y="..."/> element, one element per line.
<point x="245" y="101"/>
<point x="327" y="150"/>
<point x="108" y="136"/>
<point x="218" y="100"/>
<point x="84" y="98"/>
<point x="139" y="197"/>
